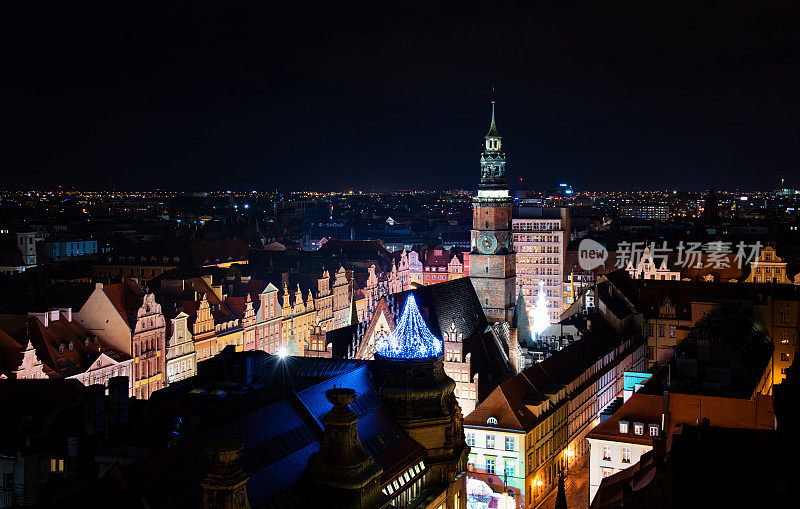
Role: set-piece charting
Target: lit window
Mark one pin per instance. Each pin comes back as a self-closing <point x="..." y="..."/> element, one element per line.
<point x="56" y="465"/>
<point x="623" y="426"/>
<point x="626" y="454"/>
<point x="638" y="428"/>
<point x="491" y="420"/>
<point x="607" y="472"/>
<point x="607" y="452"/>
<point x="654" y="430"/>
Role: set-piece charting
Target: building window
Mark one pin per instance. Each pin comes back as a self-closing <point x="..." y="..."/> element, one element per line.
<point x="626" y="454"/>
<point x="489" y="466"/>
<point x="509" y="443"/>
<point x="57" y="465"/>
<point x="471" y="439"/>
<point x="623" y="426"/>
<point x="509" y="471"/>
<point x="672" y="331"/>
<point x="654" y="430"/>
<point x="638" y="428"/>
<point x="490" y="441"/>
<point x="607" y="472"/>
<point x="784" y="356"/>
<point x="607" y="452"/>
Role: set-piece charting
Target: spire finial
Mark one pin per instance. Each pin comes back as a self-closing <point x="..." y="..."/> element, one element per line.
<point x="493" y="127"/>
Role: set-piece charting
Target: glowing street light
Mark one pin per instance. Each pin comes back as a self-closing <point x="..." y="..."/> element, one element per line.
<point x="283" y="352"/>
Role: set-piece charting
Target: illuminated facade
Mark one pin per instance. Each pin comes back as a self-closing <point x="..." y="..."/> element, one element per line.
<point x="268" y="321"/>
<point x="541" y="236"/>
<point x="492" y="258"/>
<point x="149" y="349"/>
<point x="768" y="268"/>
<point x="647" y="268"/>
<point x="181" y="357"/>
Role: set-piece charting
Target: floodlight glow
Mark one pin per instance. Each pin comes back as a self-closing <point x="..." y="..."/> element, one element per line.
<point x="283" y="352"/>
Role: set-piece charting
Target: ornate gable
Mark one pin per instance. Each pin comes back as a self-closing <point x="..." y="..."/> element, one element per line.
<point x="381" y="324"/>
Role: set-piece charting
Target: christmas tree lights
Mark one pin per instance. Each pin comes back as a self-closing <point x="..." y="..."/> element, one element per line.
<point x="541" y="316"/>
<point x="411" y="339"/>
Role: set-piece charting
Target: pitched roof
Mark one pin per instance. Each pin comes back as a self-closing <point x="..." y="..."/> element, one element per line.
<point x="126" y="298"/>
<point x="77" y="355"/>
<point x="535" y="384"/>
<point x="644" y="408"/>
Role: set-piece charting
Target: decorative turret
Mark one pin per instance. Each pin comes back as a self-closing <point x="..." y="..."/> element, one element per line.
<point x="225" y="487"/>
<point x="344" y="473"/>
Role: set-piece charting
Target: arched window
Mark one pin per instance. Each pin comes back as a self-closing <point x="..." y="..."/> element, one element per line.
<point x="491" y="421"/>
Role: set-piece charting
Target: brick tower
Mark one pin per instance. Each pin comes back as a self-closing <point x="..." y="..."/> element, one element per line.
<point x="492" y="268"/>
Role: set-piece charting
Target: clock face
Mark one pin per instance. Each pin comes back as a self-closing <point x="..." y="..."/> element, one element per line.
<point x="487" y="243"/>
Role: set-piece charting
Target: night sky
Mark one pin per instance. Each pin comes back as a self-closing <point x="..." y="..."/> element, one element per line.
<point x="395" y="95"/>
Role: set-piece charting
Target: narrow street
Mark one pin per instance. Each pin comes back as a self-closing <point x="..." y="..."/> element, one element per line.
<point x="576" y="484"/>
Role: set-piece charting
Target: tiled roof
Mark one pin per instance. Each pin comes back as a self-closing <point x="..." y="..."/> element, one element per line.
<point x="449" y="302"/>
<point x="644" y="408"/>
<point x="10" y="354"/>
<point x="126" y="298"/>
<point x="48" y="340"/>
<point x="278" y="441"/>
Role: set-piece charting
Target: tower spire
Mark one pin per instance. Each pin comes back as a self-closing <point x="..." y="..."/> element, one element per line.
<point x="493" y="127"/>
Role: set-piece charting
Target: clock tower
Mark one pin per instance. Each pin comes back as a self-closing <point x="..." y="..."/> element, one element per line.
<point x="492" y="262"/>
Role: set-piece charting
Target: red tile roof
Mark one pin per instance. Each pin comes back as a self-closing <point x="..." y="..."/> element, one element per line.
<point x="126" y="298"/>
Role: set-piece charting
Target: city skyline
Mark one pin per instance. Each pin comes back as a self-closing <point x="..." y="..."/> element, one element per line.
<point x="372" y="98"/>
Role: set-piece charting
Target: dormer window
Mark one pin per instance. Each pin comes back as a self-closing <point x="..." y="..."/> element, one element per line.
<point x="491" y="421"/>
<point x="623" y="426"/>
<point x="61" y="348"/>
<point x="653" y="429"/>
<point x="638" y="428"/>
<point x="71" y="346"/>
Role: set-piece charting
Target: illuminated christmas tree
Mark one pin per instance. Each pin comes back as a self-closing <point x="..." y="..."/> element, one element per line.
<point x="411" y="339"/>
<point x="540" y="316"/>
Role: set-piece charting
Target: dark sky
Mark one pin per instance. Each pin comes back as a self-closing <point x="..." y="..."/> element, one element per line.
<point x="387" y="95"/>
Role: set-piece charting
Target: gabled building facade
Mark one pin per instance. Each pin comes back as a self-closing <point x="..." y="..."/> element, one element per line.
<point x="181" y="356"/>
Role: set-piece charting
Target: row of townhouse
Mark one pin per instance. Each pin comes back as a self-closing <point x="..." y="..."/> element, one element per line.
<point x="437" y="265"/>
<point x="158" y="338"/>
